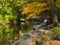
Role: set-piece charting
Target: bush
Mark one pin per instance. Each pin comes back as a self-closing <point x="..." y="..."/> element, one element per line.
<point x="56" y="31"/>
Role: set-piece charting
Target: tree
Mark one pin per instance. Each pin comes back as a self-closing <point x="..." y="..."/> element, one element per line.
<point x="33" y="9"/>
<point x="55" y="13"/>
<point x="52" y="4"/>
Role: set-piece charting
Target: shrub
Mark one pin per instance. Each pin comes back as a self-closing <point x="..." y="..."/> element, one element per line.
<point x="56" y="31"/>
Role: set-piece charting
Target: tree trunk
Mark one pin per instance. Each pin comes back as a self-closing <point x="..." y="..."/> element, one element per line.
<point x="55" y="15"/>
<point x="53" y="9"/>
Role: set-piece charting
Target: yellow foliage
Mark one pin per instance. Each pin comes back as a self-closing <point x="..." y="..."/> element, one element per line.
<point x="30" y="15"/>
<point x="21" y="33"/>
<point x="33" y="9"/>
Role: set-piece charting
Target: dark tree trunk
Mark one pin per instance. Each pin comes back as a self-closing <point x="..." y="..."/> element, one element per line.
<point x="55" y="15"/>
<point x="53" y="9"/>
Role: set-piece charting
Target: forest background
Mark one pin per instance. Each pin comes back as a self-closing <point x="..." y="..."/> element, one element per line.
<point x="15" y="17"/>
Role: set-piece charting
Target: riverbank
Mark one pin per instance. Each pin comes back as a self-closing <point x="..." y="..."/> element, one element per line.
<point x="38" y="37"/>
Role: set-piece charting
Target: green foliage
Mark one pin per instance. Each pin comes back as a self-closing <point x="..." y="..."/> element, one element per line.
<point x="43" y="38"/>
<point x="56" y="31"/>
<point x="58" y="3"/>
<point x="10" y="12"/>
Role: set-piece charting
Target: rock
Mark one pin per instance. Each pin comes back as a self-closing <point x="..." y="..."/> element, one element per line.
<point x="52" y="42"/>
<point x="29" y="41"/>
<point x="29" y="38"/>
<point x="33" y="38"/>
<point x="26" y="39"/>
<point x="41" y="26"/>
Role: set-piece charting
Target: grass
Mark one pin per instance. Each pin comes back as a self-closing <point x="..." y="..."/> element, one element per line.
<point x="56" y="31"/>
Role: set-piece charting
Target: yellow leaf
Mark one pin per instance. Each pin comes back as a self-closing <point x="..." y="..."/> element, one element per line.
<point x="33" y="9"/>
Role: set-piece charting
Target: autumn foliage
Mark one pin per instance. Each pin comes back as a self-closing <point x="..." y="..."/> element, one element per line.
<point x="33" y="9"/>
